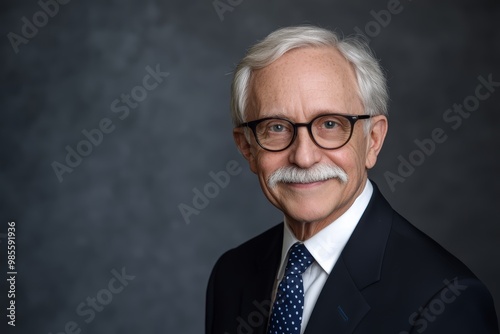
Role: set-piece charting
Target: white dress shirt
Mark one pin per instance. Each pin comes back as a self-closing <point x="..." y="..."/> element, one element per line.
<point x="325" y="247"/>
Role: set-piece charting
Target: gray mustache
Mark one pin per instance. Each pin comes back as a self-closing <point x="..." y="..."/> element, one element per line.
<point x="319" y="172"/>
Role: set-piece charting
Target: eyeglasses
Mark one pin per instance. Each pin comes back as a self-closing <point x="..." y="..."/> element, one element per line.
<point x="330" y="131"/>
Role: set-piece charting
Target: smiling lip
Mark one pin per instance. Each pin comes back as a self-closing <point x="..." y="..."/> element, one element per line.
<point x="306" y="185"/>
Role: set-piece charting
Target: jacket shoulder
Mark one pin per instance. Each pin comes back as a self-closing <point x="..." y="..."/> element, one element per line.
<point x="422" y="253"/>
<point x="254" y="249"/>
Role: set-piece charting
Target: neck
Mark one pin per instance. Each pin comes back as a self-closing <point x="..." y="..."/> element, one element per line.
<point x="306" y="230"/>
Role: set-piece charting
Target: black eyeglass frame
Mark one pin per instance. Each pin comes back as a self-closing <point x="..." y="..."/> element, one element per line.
<point x="351" y="118"/>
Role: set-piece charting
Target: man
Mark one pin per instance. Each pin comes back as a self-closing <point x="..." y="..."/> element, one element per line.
<point x="310" y="118"/>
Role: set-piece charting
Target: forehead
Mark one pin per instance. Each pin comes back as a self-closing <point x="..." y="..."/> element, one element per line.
<point x="304" y="81"/>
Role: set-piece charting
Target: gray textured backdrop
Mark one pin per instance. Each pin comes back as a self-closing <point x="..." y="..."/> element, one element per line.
<point x="118" y="209"/>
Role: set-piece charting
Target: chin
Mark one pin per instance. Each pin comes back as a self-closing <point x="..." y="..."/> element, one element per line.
<point x="307" y="202"/>
<point x="308" y="211"/>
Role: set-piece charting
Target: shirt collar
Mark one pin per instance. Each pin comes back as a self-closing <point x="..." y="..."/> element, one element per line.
<point x="326" y="245"/>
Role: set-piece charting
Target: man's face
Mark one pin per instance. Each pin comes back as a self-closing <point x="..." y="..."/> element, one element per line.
<point x="300" y="85"/>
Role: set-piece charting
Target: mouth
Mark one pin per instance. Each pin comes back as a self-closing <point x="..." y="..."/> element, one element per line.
<point x="306" y="185"/>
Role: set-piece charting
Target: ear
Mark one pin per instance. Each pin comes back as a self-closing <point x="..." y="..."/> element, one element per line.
<point x="376" y="137"/>
<point x="245" y="148"/>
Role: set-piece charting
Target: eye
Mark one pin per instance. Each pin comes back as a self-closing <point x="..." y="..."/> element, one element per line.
<point x="330" y="124"/>
<point x="276" y="128"/>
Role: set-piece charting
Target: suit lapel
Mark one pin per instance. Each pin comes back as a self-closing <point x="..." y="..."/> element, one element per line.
<point x="256" y="298"/>
<point x="341" y="305"/>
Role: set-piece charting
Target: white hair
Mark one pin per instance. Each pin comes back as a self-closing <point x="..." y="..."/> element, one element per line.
<point x="372" y="86"/>
<point x="316" y="173"/>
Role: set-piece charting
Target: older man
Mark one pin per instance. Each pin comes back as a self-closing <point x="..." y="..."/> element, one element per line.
<point x="309" y="110"/>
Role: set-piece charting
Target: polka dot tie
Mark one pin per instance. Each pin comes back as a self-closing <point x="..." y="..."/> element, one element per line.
<point x="286" y="316"/>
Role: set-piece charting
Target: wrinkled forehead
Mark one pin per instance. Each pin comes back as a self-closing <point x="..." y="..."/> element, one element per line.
<point x="307" y="78"/>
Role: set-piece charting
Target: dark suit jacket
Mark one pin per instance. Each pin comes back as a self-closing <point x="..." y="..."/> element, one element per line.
<point x="390" y="278"/>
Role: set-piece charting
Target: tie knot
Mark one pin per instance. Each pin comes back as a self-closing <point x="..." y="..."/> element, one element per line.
<point x="299" y="260"/>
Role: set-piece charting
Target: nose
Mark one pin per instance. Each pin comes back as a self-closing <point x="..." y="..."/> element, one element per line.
<point x="304" y="153"/>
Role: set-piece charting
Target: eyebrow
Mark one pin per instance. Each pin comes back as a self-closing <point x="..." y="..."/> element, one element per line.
<point x="275" y="115"/>
<point x="316" y="114"/>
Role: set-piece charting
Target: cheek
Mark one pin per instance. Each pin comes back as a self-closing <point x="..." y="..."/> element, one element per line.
<point x="350" y="159"/>
<point x="255" y="158"/>
<point x="268" y="162"/>
<point x="359" y="152"/>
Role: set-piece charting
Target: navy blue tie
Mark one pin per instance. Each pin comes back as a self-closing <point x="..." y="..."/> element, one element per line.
<point x="286" y="316"/>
